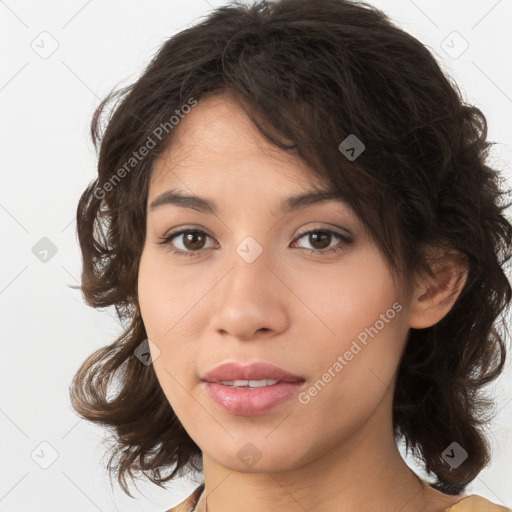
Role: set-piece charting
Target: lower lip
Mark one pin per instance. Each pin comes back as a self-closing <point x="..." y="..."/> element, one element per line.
<point x="251" y="401"/>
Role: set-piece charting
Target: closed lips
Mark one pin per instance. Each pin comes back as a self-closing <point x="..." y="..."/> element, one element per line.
<point x="252" y="375"/>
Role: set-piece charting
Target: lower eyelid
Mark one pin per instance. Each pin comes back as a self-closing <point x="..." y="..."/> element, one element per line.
<point x="334" y="234"/>
<point x="169" y="238"/>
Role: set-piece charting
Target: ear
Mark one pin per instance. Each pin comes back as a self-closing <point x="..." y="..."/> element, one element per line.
<point x="433" y="298"/>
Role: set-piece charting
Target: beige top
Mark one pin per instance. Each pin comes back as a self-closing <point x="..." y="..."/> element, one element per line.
<point x="472" y="503"/>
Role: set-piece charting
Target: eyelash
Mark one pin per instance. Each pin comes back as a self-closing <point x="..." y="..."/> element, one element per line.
<point x="321" y="252"/>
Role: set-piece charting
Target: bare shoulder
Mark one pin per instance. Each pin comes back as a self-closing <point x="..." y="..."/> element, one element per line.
<point x="475" y="503"/>
<point x="189" y="504"/>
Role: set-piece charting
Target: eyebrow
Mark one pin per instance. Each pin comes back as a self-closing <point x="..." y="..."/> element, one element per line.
<point x="200" y="204"/>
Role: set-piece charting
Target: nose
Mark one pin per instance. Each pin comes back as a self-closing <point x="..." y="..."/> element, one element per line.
<point x="251" y="300"/>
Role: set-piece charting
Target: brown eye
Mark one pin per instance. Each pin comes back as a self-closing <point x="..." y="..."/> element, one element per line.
<point x="320" y="239"/>
<point x="194" y="240"/>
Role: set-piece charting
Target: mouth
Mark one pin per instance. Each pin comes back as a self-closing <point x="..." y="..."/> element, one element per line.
<point x="250" y="390"/>
<point x="236" y="374"/>
<point x="249" y="383"/>
<point x="251" y="398"/>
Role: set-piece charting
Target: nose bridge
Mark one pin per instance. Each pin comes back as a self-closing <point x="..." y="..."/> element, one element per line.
<point x="250" y="277"/>
<point x="253" y="246"/>
<point x="249" y="298"/>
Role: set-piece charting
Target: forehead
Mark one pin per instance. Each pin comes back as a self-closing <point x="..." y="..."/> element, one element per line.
<point x="217" y="141"/>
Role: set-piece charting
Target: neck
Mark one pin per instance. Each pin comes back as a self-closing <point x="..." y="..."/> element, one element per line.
<point x="364" y="472"/>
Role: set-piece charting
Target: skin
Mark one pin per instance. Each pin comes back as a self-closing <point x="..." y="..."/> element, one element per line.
<point x="297" y="310"/>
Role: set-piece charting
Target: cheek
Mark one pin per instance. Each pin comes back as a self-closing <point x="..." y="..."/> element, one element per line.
<point x="167" y="295"/>
<point x="357" y="314"/>
<point x="169" y="298"/>
<point x="349" y="297"/>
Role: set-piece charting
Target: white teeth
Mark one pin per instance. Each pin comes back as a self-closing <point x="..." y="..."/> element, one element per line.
<point x="249" y="383"/>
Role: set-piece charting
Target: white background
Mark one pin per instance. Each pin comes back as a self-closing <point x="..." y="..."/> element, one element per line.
<point x="47" y="160"/>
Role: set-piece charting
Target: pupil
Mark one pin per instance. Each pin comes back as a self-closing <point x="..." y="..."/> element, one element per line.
<point x="195" y="240"/>
<point x="190" y="238"/>
<point x="317" y="235"/>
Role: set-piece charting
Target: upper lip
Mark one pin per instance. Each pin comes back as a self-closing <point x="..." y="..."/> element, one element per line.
<point x="255" y="371"/>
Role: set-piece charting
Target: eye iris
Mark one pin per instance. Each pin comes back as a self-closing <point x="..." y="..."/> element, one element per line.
<point x="319" y="234"/>
<point x="190" y="237"/>
<point x="194" y="240"/>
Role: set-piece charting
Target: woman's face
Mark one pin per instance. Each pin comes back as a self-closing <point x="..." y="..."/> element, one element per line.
<point x="252" y="285"/>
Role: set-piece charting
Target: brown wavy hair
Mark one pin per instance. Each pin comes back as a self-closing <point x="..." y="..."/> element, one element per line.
<point x="309" y="73"/>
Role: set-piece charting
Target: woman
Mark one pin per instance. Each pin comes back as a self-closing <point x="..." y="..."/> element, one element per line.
<point x="294" y="217"/>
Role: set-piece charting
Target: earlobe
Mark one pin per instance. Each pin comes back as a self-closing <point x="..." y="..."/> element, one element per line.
<point x="434" y="297"/>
